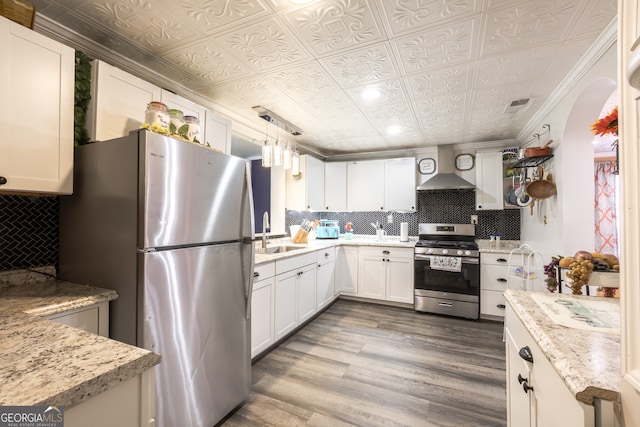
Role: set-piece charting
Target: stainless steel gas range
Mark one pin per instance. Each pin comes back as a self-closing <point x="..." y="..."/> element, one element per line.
<point x="447" y="270"/>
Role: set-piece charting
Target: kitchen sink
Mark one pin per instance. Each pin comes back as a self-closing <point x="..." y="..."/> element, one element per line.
<point x="278" y="249"/>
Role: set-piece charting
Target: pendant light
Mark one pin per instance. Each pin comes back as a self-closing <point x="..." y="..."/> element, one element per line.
<point x="286" y="155"/>
<point x="266" y="154"/>
<point x="295" y="163"/>
<point x="266" y="150"/>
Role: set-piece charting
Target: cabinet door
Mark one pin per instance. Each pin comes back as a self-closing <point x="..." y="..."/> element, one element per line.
<point x="347" y="270"/>
<point x="518" y="402"/>
<point x="306" y="293"/>
<point x="284" y="308"/>
<point x="400" y="184"/>
<point x="262" y="332"/>
<point x="36" y="112"/>
<point x="335" y="186"/>
<point x="399" y="277"/>
<point x="217" y="131"/>
<point x="371" y="276"/>
<point x="365" y="184"/>
<point x="489" y="190"/>
<point x="315" y="184"/>
<point x="187" y="107"/>
<point x="118" y="102"/>
<point x="306" y="192"/>
<point x="325" y="282"/>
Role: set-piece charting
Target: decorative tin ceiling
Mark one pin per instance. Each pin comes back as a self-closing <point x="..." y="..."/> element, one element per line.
<point x="446" y="70"/>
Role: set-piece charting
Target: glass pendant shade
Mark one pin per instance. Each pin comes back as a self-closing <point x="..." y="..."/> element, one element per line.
<point x="286" y="156"/>
<point x="295" y="163"/>
<point x="266" y="154"/>
<point x="277" y="153"/>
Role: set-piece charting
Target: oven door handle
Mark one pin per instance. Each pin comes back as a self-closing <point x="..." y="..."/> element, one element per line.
<point x="420" y="257"/>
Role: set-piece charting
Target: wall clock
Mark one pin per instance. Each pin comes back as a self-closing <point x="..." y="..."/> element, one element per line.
<point x="464" y="162"/>
<point x="427" y="166"/>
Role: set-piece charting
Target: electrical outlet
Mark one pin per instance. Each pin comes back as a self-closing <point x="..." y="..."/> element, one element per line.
<point x="474" y="219"/>
<point x="390" y="219"/>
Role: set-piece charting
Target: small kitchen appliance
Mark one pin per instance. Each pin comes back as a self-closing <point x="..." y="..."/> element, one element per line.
<point x="447" y="270"/>
<point x="327" y="229"/>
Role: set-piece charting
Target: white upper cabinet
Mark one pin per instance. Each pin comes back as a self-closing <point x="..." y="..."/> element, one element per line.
<point x="489" y="183"/>
<point x="335" y="186"/>
<point x="118" y="102"/>
<point x="306" y="192"/>
<point x="217" y="131"/>
<point x="188" y="108"/>
<point x="400" y="184"/>
<point x="36" y="112"/>
<point x="365" y="185"/>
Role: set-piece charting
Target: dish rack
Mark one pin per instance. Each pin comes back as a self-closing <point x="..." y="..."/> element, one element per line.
<point x="528" y="275"/>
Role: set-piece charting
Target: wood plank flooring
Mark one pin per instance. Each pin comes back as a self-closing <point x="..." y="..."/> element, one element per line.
<point x="371" y="365"/>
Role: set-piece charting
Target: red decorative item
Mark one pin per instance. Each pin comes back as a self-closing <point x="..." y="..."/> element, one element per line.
<point x="608" y="125"/>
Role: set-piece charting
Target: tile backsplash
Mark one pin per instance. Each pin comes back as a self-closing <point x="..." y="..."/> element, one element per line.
<point x="454" y="206"/>
<point x="29" y="224"/>
<point x="28" y="231"/>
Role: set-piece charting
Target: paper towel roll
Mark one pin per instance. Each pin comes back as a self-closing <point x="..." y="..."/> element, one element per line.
<point x="404" y="231"/>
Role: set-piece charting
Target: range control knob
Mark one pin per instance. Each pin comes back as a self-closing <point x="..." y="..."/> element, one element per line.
<point x="445" y="251"/>
<point x="467" y="252"/>
<point x="430" y="250"/>
<point x="460" y="252"/>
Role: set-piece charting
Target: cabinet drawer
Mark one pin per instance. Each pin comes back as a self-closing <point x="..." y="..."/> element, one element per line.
<point x="386" y="252"/>
<point x="264" y="271"/>
<point x="85" y="319"/>
<point x="500" y="259"/>
<point x="288" y="264"/>
<point x="326" y="255"/>
<point x="492" y="303"/>
<point x="493" y="277"/>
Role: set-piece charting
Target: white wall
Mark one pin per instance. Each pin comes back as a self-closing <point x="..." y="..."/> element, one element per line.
<point x="569" y="216"/>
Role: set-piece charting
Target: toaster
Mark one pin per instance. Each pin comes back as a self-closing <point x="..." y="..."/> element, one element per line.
<point x="327" y="229"/>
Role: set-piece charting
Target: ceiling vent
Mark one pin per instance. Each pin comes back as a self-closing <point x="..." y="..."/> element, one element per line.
<point x="518" y="105"/>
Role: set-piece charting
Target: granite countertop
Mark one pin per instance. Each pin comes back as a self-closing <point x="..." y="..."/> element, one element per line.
<point x="505" y="246"/>
<point x="47" y="363"/>
<point x="314" y="245"/>
<point x="587" y="361"/>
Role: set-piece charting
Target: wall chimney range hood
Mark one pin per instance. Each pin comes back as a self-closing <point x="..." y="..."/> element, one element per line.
<point x="445" y="178"/>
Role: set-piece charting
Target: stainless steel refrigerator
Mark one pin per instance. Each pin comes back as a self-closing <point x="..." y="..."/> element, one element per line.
<point x="169" y="225"/>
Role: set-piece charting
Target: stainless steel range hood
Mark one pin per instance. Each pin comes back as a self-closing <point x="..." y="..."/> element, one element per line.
<point x="445" y="178"/>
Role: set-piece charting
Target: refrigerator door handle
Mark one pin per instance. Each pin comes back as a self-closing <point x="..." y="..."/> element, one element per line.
<point x="249" y="205"/>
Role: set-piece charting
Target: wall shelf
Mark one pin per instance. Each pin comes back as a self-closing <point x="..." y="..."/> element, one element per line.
<point x="529" y="162"/>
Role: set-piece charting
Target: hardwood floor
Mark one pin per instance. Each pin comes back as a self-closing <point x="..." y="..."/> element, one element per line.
<point x="372" y="365"/>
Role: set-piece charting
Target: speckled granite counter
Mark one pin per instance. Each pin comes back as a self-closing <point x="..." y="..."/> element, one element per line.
<point x="587" y="361"/>
<point x="505" y="247"/>
<point x="314" y="245"/>
<point x="47" y="363"/>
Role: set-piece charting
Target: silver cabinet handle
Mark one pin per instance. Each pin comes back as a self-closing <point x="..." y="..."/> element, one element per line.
<point x="445" y="304"/>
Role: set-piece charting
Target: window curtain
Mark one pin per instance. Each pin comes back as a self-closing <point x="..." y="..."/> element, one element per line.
<point x="606" y="240"/>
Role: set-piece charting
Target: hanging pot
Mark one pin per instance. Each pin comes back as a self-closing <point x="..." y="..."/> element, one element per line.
<point x="541" y="189"/>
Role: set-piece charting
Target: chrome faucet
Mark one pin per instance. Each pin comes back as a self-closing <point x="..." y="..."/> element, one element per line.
<point x="265" y="225"/>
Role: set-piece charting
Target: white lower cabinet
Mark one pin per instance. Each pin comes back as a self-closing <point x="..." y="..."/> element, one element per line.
<point x="262" y="302"/>
<point x="386" y="273"/>
<point x="346" y="270"/>
<point x="93" y="318"/>
<point x="536" y="395"/>
<point x="131" y="403"/>
<point x="295" y="292"/>
<point x="493" y="282"/>
<point x="325" y="277"/>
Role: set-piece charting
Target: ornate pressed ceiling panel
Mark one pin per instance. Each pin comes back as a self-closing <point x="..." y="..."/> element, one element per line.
<point x="445" y="69"/>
